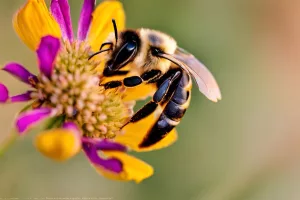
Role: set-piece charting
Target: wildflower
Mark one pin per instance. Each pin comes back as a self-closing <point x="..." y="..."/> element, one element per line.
<point x="65" y="94"/>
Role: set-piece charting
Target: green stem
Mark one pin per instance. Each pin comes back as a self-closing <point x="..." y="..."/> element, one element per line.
<point x="12" y="136"/>
<point x="7" y="143"/>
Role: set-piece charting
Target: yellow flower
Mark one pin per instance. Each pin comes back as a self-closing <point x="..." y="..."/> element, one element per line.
<point x="34" y="21"/>
<point x="103" y="143"/>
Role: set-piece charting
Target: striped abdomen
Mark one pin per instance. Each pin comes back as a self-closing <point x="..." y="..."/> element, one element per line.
<point x="173" y="111"/>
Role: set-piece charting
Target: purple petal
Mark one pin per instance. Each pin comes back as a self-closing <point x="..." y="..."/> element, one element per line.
<point x="111" y="164"/>
<point x="19" y="72"/>
<point x="47" y="53"/>
<point x="72" y="126"/>
<point x="28" y="119"/>
<point x="104" y="144"/>
<point x="85" y="19"/>
<point x="3" y="93"/>
<point x="21" y="97"/>
<point x="60" y="9"/>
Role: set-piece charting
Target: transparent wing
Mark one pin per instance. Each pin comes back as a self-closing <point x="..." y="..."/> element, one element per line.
<point x="203" y="77"/>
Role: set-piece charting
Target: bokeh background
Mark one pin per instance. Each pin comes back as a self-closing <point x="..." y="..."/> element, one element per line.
<point x="246" y="147"/>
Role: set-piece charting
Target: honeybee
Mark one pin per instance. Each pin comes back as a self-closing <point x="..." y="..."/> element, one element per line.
<point x="158" y="60"/>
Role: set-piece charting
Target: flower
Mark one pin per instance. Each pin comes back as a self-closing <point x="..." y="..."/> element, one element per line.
<point x="34" y="21"/>
<point x="67" y="87"/>
<point x="65" y="95"/>
<point x="79" y="114"/>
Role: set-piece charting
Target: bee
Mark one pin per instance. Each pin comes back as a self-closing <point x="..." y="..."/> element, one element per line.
<point x="157" y="60"/>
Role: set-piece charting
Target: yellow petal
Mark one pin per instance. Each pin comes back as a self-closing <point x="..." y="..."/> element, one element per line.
<point x="102" y="25"/>
<point x="133" y="168"/>
<point x="136" y="132"/>
<point x="58" y="144"/>
<point x="33" y="21"/>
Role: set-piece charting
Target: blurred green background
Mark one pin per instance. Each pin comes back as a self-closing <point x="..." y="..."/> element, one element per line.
<point x="246" y="147"/>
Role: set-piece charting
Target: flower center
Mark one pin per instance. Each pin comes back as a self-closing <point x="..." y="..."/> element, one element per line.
<point x="73" y="91"/>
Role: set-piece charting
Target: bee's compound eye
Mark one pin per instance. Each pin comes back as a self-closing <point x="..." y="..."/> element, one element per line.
<point x="131" y="46"/>
<point x="127" y="51"/>
<point x="125" y="54"/>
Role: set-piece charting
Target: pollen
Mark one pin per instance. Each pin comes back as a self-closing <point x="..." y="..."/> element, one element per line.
<point x="73" y="91"/>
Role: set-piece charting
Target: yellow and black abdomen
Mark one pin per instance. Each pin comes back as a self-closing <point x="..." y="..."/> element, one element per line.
<point x="175" y="107"/>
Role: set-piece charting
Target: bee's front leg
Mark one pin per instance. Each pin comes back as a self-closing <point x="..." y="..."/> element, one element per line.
<point x="131" y="81"/>
<point x="106" y="43"/>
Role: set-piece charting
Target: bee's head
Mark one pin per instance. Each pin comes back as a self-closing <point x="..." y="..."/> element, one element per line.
<point x="153" y="43"/>
<point x="124" y="48"/>
<point x="139" y="47"/>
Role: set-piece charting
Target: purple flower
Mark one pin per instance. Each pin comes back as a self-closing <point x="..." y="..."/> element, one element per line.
<point x="64" y="97"/>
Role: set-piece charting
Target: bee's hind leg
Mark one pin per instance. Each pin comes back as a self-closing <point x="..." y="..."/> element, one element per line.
<point x="168" y="86"/>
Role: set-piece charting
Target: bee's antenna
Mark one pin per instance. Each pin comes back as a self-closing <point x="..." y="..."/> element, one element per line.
<point x="116" y="30"/>
<point x="98" y="53"/>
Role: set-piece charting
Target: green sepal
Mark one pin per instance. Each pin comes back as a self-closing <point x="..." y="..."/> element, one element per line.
<point x="53" y="122"/>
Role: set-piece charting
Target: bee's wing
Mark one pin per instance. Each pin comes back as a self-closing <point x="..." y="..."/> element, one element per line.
<point x="203" y="77"/>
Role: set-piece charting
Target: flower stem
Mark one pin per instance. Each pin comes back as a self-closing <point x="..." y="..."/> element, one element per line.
<point x="7" y="143"/>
